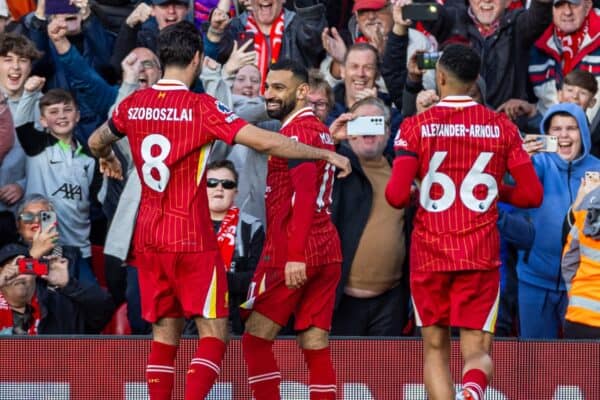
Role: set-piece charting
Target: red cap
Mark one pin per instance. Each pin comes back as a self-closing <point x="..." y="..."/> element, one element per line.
<point x="368" y="5"/>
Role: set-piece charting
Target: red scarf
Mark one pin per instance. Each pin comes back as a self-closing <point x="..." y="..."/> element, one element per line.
<point x="6" y="316"/>
<point x="226" y="235"/>
<point x="570" y="44"/>
<point x="484" y="30"/>
<point x="262" y="47"/>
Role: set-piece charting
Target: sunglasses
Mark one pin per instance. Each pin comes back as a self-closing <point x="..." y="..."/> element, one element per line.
<point x="226" y="183"/>
<point x="30" y="218"/>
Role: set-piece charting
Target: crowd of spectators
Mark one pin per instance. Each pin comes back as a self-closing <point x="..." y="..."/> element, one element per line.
<point x="66" y="64"/>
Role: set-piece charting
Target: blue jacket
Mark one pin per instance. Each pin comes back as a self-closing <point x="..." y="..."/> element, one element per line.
<point x="560" y="179"/>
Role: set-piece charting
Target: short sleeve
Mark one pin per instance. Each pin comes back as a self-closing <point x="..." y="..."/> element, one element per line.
<point x="219" y="121"/>
<point x="118" y="122"/>
<point x="407" y="141"/>
<point x="516" y="153"/>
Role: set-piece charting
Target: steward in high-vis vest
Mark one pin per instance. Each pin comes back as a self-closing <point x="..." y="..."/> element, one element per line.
<point x="581" y="270"/>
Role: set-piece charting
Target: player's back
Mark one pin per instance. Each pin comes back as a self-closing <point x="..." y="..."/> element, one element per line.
<point x="170" y="131"/>
<point x="322" y="246"/>
<point x="463" y="151"/>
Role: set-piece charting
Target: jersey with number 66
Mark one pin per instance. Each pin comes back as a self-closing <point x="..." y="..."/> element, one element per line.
<point x="300" y="232"/>
<point x="170" y="132"/>
<point x="464" y="150"/>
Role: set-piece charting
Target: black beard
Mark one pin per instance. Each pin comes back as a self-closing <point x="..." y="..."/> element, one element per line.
<point x="283" y="111"/>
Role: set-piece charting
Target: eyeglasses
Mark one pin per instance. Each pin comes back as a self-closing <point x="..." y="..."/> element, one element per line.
<point x="148" y="64"/>
<point x="30" y="218"/>
<point x="319" y="105"/>
<point x="226" y="183"/>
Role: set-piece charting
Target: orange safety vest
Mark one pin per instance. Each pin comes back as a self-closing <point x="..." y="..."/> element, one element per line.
<point x="582" y="255"/>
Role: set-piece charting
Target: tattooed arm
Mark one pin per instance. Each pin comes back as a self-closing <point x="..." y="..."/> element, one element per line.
<point x="100" y="144"/>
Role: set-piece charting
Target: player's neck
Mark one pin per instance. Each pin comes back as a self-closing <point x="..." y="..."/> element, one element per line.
<point x="446" y="91"/>
<point x="299" y="105"/>
<point x="180" y="74"/>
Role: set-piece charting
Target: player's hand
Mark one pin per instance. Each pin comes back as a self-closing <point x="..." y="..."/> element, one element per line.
<point x="341" y="163"/>
<point x="295" y="274"/>
<point x="426" y="99"/>
<point x="515" y="108"/>
<point x="111" y="167"/>
<point x="334" y="44"/>
<point x="34" y="83"/>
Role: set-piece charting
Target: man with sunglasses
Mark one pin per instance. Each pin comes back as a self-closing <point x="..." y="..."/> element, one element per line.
<point x="181" y="273"/>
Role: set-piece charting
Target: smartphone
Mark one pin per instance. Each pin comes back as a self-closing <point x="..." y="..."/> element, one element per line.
<point x="244" y="37"/>
<point x="428" y="60"/>
<point x="421" y="11"/>
<point x="550" y="142"/>
<point x="592" y="177"/>
<point x="31" y="266"/>
<point x="47" y="219"/>
<point x="366" y="126"/>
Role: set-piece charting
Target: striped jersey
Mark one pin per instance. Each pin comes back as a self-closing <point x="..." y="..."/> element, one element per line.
<point x="170" y="131"/>
<point x="463" y="151"/>
<point x="287" y="239"/>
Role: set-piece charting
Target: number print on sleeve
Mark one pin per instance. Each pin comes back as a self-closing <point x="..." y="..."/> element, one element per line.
<point x="474" y="177"/>
<point x="156" y="162"/>
<point x="326" y="186"/>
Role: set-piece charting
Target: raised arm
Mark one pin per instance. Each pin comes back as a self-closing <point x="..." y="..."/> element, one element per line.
<point x="280" y="146"/>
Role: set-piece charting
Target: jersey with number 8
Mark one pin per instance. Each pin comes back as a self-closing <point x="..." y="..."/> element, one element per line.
<point x="170" y="131"/>
<point x="463" y="151"/>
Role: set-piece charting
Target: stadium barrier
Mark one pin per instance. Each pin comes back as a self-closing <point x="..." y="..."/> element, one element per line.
<point x="112" y="368"/>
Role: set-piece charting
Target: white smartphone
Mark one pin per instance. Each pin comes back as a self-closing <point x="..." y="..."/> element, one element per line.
<point x="366" y="126"/>
<point x="592" y="177"/>
<point x="550" y="142"/>
<point x="47" y="219"/>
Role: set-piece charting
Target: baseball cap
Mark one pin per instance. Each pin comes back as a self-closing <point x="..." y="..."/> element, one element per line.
<point x="54" y="7"/>
<point x="4" y="9"/>
<point x="368" y="5"/>
<point x="161" y="2"/>
<point x="574" y="2"/>
<point x="12" y="250"/>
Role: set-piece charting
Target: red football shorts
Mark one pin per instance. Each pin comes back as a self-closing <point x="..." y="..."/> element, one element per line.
<point x="176" y="285"/>
<point x="312" y="304"/>
<point x="464" y="299"/>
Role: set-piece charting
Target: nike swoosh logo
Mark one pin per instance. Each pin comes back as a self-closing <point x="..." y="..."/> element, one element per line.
<point x="55" y="162"/>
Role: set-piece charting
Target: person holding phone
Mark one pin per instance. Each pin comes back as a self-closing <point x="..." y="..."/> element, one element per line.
<point x="52" y="303"/>
<point x="542" y="291"/>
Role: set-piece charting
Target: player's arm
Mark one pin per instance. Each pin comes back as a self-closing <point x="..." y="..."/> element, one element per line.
<point x="304" y="181"/>
<point x="527" y="191"/>
<point x="100" y="144"/>
<point x="280" y="146"/>
<point x="404" y="170"/>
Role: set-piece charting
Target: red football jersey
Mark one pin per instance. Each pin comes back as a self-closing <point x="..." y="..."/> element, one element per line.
<point x="170" y="131"/>
<point x="322" y="244"/>
<point x="463" y="149"/>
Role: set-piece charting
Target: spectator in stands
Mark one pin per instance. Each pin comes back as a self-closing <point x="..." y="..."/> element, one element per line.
<point x="59" y="168"/>
<point x="372" y="22"/>
<point x="278" y="33"/>
<point x="9" y="172"/>
<point x="142" y="26"/>
<point x="17" y="53"/>
<point x="140" y="69"/>
<point x="360" y="71"/>
<point x="4" y="15"/>
<point x="240" y="236"/>
<point x="581" y="262"/>
<point x="569" y="42"/>
<point x="542" y="291"/>
<point x="87" y="34"/>
<point x="501" y="36"/>
<point x="320" y="95"/>
<point x="54" y="303"/>
<point x="373" y="292"/>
